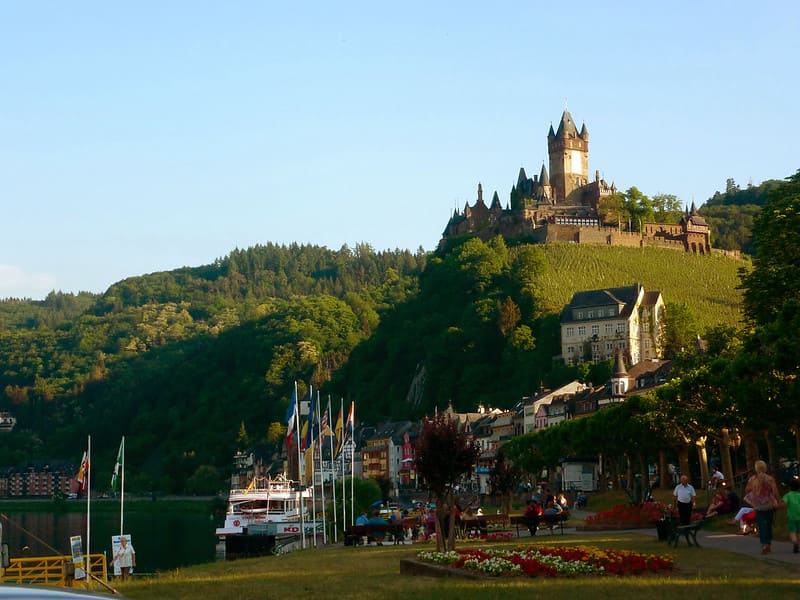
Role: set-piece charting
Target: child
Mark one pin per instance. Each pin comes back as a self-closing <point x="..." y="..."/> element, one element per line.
<point x="792" y="501"/>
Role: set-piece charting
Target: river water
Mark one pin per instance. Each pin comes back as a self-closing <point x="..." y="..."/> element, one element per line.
<point x="163" y="540"/>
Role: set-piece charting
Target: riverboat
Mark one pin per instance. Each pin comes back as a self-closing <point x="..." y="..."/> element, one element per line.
<point x="259" y="516"/>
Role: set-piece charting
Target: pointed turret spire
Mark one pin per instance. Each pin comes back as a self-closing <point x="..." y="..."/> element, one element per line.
<point x="584" y="134"/>
<point x="480" y="194"/>
<point x="522" y="177"/>
<point x="543" y="178"/>
<point x="566" y="128"/>
<point x="693" y="210"/>
<point x="496" y="201"/>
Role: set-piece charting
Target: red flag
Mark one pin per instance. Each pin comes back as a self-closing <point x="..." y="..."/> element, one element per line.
<point x="83" y="473"/>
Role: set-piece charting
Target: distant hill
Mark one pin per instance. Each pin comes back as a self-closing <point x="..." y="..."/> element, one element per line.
<point x="194" y="363"/>
<point x="730" y="214"/>
<point x="452" y="346"/>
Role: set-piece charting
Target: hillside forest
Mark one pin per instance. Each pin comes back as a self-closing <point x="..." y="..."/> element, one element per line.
<point x="194" y="363"/>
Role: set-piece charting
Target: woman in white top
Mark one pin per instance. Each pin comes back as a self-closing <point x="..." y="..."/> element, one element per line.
<point x="125" y="557"/>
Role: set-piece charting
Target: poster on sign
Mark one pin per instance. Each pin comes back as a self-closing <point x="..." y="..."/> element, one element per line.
<point x="116" y="546"/>
<point x="76" y="548"/>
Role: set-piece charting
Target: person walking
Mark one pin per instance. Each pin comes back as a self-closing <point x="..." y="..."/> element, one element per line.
<point x="762" y="494"/>
<point x="684" y="495"/>
<point x="792" y="501"/>
<point x="125" y="557"/>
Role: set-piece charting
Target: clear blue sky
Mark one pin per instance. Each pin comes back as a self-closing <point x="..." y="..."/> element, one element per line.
<point x="145" y="136"/>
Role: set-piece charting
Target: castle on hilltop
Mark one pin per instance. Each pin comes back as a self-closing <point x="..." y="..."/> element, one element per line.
<point x="563" y="205"/>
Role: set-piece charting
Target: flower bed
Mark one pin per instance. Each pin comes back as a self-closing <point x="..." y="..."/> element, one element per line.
<point x="628" y="516"/>
<point x="550" y="561"/>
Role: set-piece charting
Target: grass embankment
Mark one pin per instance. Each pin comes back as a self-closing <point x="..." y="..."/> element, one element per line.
<point x="373" y="572"/>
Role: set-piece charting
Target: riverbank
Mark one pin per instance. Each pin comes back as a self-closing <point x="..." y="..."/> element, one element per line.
<point x="199" y="504"/>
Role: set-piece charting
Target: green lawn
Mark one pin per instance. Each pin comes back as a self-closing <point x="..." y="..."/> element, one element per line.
<point x="373" y="572"/>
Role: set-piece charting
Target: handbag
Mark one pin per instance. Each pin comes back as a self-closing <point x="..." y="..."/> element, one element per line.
<point x="761" y="501"/>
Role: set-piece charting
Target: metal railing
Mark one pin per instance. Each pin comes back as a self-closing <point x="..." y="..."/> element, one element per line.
<point x="51" y="570"/>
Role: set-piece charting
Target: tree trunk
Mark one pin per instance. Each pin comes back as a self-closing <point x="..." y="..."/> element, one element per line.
<point x="683" y="460"/>
<point x="663" y="469"/>
<point x="629" y="471"/>
<point x="441" y="523"/>
<point x="702" y="455"/>
<point x="451" y="533"/>
<point x="772" y="452"/>
<point x="750" y="449"/>
<point x="725" y="455"/>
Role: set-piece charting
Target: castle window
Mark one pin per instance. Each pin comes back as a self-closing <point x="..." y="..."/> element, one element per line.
<point x="580" y="314"/>
<point x="570" y="331"/>
<point x="609" y="347"/>
<point x="581" y="330"/>
<point x="595" y="329"/>
<point x="620" y="328"/>
<point x="600" y="312"/>
<point x="590" y="315"/>
<point x="570" y="350"/>
<point x="609" y="328"/>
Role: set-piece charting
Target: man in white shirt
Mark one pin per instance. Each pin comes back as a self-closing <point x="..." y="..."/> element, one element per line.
<point x="716" y="478"/>
<point x="684" y="500"/>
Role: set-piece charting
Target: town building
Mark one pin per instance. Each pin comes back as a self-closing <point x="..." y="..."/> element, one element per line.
<point x="38" y="479"/>
<point x="598" y="323"/>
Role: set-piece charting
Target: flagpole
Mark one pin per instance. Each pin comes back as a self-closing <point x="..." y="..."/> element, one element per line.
<point x="87" y="562"/>
<point x="340" y="443"/>
<point x="299" y="481"/>
<point x="352" y="461"/>
<point x="333" y="481"/>
<point x="321" y="476"/>
<point x="311" y="449"/>
<point x="122" y="492"/>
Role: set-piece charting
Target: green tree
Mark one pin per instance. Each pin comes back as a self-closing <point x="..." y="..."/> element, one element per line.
<point x="444" y="454"/>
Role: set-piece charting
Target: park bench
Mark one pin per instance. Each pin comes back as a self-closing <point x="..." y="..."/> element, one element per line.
<point x="550" y="522"/>
<point x="478" y="525"/>
<point x="687" y="531"/>
<point x="357" y="534"/>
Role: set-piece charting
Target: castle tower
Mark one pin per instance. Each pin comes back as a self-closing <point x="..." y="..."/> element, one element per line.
<point x="569" y="157"/>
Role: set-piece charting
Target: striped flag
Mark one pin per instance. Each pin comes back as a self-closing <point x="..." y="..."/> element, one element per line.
<point x="308" y="427"/>
<point x="291" y="415"/>
<point x="350" y="425"/>
<point x="83" y="473"/>
<point x="337" y="432"/>
<point x="324" y="424"/>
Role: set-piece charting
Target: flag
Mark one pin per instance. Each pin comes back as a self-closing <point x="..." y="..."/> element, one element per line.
<point x="83" y="473"/>
<point x="118" y="466"/>
<point x="324" y="424"/>
<point x="337" y="432"/>
<point x="309" y="456"/>
<point x="308" y="428"/>
<point x="291" y="414"/>
<point x="351" y="416"/>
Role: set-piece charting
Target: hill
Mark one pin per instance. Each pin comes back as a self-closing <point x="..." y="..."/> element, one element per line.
<point x="194" y="363"/>
<point x="706" y="284"/>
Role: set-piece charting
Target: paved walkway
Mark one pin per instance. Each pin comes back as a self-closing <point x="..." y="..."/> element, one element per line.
<point x="723" y="540"/>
